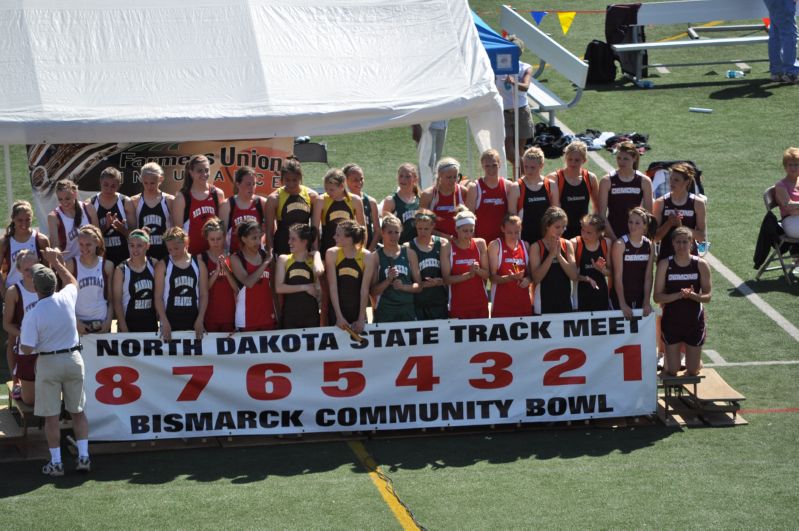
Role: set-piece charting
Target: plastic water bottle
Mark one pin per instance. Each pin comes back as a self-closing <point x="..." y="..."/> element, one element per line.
<point x="644" y="84"/>
<point x="735" y="74"/>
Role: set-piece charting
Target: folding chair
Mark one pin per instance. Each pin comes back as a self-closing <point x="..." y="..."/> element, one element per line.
<point x="777" y="254"/>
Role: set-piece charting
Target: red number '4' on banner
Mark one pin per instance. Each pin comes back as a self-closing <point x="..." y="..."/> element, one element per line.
<point x="424" y="379"/>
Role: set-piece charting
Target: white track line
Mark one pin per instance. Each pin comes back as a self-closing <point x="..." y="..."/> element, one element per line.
<point x="715" y="357"/>
<point x="716" y="264"/>
<point x="751" y="363"/>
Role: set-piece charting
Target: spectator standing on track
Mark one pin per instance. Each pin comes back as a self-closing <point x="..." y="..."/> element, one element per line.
<point x="50" y="329"/>
<point x="782" y="40"/>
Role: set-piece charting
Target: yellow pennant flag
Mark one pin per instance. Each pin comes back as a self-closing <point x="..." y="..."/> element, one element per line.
<point x="566" y="19"/>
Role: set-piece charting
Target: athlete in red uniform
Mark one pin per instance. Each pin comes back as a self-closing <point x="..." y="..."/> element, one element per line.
<point x="444" y="197"/>
<point x="682" y="286"/>
<point x="510" y="277"/>
<point x="222" y="285"/>
<point x="487" y="197"/>
<point x="244" y="206"/>
<point x="255" y="306"/>
<point x="197" y="201"/>
<point x="465" y="270"/>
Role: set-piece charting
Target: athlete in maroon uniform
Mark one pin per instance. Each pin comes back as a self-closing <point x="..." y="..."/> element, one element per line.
<point x="510" y="277"/>
<point x="682" y="286"/>
<point x="552" y="265"/>
<point x="623" y="190"/>
<point x="444" y="197"/>
<point x="678" y="208"/>
<point x="633" y="255"/>
<point x="487" y="197"/>
<point x="465" y="271"/>
<point x="197" y="201"/>
<point x="591" y="291"/>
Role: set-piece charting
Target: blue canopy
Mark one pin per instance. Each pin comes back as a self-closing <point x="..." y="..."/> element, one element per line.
<point x="504" y="55"/>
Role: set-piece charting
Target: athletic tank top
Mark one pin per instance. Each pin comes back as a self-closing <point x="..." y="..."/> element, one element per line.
<point x="92" y="304"/>
<point x="430" y="267"/>
<point x="444" y="208"/>
<point x="492" y="205"/>
<point x="291" y="209"/>
<point x="25" y="301"/>
<point x="683" y="312"/>
<point x="508" y="299"/>
<point x="470" y="293"/>
<point x="369" y="216"/>
<point x="574" y="200"/>
<point x="623" y="197"/>
<point x="198" y="211"/>
<point x="636" y="261"/>
<point x="13" y="247"/>
<point x="137" y="298"/>
<point x="68" y="231"/>
<point x="553" y="293"/>
<point x="586" y="298"/>
<point x="182" y="294"/>
<point x="116" y="243"/>
<point x="239" y="215"/>
<point x="531" y="208"/>
<point x="255" y="308"/>
<point x="300" y="310"/>
<point x="333" y="212"/>
<point x="391" y="297"/>
<point x="349" y="275"/>
<point x="406" y="212"/>
<point x="221" y="311"/>
<point x="157" y="220"/>
<point x="688" y="213"/>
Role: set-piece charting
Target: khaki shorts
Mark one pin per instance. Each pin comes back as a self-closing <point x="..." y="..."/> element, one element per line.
<point x="526" y="127"/>
<point x="58" y="374"/>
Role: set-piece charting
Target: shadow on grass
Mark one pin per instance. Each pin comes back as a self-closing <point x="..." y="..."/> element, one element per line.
<point x="729" y="89"/>
<point x="250" y="465"/>
<point x="508" y="447"/>
<point x="775" y="284"/>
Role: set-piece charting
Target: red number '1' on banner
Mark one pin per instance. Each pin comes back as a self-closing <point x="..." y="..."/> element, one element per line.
<point x="355" y="381"/>
<point x="424" y="379"/>
<point x="631" y="359"/>
<point x="258" y="380"/>
<point x="499" y="376"/>
<point x="575" y="358"/>
<point x="113" y="378"/>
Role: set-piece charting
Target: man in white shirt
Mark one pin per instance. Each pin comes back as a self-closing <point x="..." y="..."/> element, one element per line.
<point x="49" y="329"/>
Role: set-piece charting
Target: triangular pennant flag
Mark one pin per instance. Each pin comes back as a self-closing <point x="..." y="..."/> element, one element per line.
<point x="566" y="19"/>
<point x="767" y="22"/>
<point x="538" y="16"/>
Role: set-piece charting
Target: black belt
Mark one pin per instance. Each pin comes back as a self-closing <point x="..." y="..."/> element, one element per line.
<point x="78" y="347"/>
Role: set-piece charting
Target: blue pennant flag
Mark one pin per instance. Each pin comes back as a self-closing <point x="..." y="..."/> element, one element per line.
<point x="538" y="16"/>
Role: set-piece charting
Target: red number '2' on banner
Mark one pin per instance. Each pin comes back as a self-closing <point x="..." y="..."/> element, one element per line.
<point x="258" y="380"/>
<point x="575" y="358"/>
<point x="200" y="376"/>
<point x="122" y="378"/>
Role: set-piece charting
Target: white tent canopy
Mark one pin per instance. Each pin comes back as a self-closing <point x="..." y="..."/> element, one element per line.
<point x="170" y="70"/>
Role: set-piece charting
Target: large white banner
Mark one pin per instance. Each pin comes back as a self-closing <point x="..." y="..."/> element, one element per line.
<point x="406" y="375"/>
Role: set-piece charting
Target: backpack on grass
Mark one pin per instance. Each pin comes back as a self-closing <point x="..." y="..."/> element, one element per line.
<point x="601" y="61"/>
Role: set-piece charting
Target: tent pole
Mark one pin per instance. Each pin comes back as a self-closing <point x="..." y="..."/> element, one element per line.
<point x="515" y="133"/>
<point x="9" y="188"/>
<point x="469" y="149"/>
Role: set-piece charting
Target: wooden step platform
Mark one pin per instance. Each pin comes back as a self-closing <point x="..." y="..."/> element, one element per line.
<point x="702" y="400"/>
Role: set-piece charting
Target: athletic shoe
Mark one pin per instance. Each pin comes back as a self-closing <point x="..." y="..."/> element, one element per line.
<point x="83" y="464"/>
<point x="790" y="78"/>
<point x="53" y="469"/>
<point x="776" y="77"/>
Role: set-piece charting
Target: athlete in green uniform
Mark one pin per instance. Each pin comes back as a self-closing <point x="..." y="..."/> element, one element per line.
<point x="432" y="301"/>
<point x="405" y="201"/>
<point x="396" y="278"/>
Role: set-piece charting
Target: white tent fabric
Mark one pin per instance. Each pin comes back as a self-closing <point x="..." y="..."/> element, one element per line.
<point x="170" y="70"/>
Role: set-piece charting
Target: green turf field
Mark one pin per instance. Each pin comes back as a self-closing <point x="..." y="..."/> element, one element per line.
<point x="631" y="478"/>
